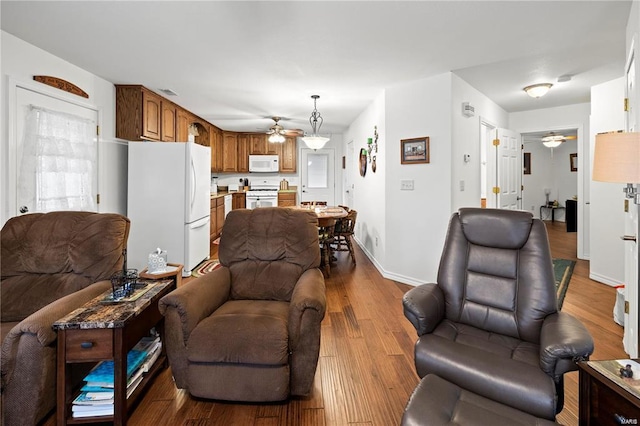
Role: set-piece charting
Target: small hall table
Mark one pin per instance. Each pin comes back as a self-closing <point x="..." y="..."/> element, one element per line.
<point x="327" y="217"/>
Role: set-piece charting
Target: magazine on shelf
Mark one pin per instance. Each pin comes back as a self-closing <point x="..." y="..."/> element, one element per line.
<point x="611" y="369"/>
<point x="96" y="397"/>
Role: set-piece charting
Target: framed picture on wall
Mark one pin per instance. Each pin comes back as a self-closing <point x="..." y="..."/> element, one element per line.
<point x="573" y="161"/>
<point x="414" y="151"/>
<point x="526" y="166"/>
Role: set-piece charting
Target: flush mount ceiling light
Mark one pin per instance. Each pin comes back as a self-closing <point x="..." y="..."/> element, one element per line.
<point x="538" y="90"/>
<point x="315" y="141"/>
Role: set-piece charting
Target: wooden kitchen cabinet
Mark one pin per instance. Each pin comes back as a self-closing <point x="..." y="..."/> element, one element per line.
<point x="168" y="121"/>
<point x="219" y="215"/>
<point x="229" y="152"/>
<point x="243" y="153"/>
<point x="216" y="149"/>
<point x="239" y="201"/>
<point x="183" y="119"/>
<point x="151" y="116"/>
<point x="137" y="113"/>
<point x="213" y="218"/>
<point x="258" y="144"/>
<point x="286" y="199"/>
<point x="287" y="152"/>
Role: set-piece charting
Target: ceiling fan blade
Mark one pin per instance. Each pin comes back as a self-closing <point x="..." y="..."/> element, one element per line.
<point x="571" y="137"/>
<point x="293" y="132"/>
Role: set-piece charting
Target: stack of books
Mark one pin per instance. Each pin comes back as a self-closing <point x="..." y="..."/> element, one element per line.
<point x="96" y="397"/>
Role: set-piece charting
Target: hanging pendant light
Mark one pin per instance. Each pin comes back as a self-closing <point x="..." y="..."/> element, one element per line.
<point x="315" y="141"/>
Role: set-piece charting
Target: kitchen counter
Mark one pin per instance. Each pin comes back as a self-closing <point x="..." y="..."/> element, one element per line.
<point x="223" y="193"/>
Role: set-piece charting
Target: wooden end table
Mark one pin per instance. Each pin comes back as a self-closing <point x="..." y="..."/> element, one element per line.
<point x="98" y="331"/>
<point x="605" y="398"/>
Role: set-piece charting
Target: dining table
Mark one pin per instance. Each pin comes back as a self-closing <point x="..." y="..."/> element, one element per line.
<point x="327" y="217"/>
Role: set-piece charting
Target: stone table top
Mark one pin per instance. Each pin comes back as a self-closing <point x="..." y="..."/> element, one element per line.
<point x="96" y="314"/>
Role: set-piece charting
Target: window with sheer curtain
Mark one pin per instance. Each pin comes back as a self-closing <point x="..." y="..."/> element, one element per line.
<point x="58" y="166"/>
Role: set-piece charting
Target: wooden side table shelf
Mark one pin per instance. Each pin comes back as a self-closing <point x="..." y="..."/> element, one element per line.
<point x="175" y="273"/>
<point x="97" y="332"/>
<point x="604" y="398"/>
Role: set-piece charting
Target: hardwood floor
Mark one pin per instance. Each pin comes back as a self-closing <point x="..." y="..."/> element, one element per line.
<point x="366" y="372"/>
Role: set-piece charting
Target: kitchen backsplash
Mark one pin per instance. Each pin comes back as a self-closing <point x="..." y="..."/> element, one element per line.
<point x="225" y="179"/>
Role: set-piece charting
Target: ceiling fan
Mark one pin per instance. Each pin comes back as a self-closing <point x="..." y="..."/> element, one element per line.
<point x="553" y="140"/>
<point x="277" y="132"/>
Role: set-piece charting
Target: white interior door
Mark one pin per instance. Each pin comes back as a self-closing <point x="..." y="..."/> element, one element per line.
<point x="348" y="175"/>
<point x="631" y="227"/>
<point x="317" y="175"/>
<point x="508" y="170"/>
<point x="23" y="98"/>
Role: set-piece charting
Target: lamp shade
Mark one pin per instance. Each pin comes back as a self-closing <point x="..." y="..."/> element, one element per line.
<point x="617" y="158"/>
<point x="315" y="142"/>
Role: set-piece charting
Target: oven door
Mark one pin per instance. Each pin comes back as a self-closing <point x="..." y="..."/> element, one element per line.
<point x="253" y="202"/>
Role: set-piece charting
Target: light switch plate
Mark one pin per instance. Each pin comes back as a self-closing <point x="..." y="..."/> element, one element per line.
<point x="406" y="185"/>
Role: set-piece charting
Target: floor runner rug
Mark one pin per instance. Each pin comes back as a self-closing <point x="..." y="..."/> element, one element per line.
<point x="205" y="267"/>
<point x="562" y="270"/>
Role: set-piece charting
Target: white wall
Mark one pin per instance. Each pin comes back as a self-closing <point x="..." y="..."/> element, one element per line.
<point x="369" y="192"/>
<point x="465" y="133"/>
<point x="21" y="61"/>
<point x="607" y="199"/>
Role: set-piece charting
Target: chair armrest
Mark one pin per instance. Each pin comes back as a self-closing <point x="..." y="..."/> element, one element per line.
<point x="197" y="299"/>
<point x="564" y="340"/>
<point x="308" y="297"/>
<point x="38" y="327"/>
<point x="424" y="307"/>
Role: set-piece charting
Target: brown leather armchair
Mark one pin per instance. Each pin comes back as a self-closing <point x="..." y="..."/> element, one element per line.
<point x="250" y="330"/>
<point x="491" y="324"/>
<point x="52" y="263"/>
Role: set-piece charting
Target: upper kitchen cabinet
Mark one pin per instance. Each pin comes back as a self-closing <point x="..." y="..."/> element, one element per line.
<point x="229" y="152"/>
<point x="258" y="144"/>
<point x="138" y="113"/>
<point x="168" y="121"/>
<point x="216" y="149"/>
<point x="287" y="153"/>
<point x="183" y="120"/>
<point x="243" y="152"/>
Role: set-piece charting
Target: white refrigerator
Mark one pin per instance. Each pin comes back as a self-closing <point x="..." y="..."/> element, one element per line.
<point x="168" y="202"/>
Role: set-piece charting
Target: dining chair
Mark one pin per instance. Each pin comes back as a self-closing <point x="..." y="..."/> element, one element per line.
<point x="326" y="238"/>
<point x="343" y="231"/>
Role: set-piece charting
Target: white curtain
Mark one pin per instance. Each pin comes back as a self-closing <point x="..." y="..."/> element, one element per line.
<point x="58" y="167"/>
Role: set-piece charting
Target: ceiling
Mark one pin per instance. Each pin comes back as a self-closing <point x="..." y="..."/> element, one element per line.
<point x="238" y="63"/>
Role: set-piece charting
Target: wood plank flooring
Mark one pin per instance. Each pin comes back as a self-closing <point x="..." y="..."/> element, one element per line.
<point x="366" y="372"/>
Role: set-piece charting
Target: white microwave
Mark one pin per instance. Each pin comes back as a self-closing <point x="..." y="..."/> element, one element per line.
<point x="263" y="163"/>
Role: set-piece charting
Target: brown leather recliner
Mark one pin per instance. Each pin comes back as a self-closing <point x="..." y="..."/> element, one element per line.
<point x="52" y="263"/>
<point x="491" y="324"/>
<point x="250" y="330"/>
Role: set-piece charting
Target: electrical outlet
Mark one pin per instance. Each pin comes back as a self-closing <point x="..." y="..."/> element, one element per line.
<point x="376" y="241"/>
<point x="406" y="185"/>
<point x="461" y="185"/>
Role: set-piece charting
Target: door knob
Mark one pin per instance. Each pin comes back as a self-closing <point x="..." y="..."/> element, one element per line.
<point x="24" y="209"/>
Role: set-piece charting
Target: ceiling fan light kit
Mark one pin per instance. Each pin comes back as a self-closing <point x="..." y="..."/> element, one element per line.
<point x="538" y="90"/>
<point x="276" y="138"/>
<point x="315" y="141"/>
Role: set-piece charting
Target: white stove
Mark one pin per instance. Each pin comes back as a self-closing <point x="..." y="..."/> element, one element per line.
<point x="263" y="193"/>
